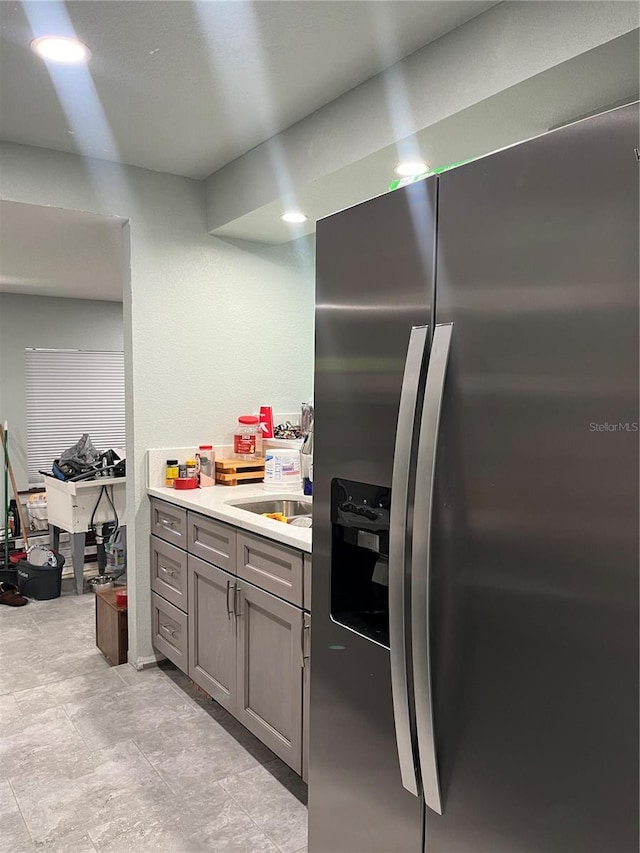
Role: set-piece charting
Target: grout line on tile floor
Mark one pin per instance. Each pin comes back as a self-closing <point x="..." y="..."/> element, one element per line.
<point x="94" y="844"/>
<point x="153" y="767"/>
<point x="109" y="745"/>
<point x="120" y="676"/>
<point x="24" y="820"/>
<point x="37" y="626"/>
<point x="251" y="818"/>
<point x="75" y="728"/>
<point x="15" y="699"/>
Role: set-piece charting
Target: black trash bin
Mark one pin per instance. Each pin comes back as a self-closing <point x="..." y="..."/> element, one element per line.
<point x="40" y="582"/>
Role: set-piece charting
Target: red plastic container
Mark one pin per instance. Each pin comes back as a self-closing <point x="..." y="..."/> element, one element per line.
<point x="121" y="598"/>
<point x="183" y="483"/>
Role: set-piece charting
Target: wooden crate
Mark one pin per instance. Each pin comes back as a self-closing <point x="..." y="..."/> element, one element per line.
<point x="230" y="472"/>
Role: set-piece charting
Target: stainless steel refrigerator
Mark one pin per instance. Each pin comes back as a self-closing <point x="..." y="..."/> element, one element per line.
<point x="474" y="648"/>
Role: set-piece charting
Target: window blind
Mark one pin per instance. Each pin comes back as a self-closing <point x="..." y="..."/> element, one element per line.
<point x="69" y="392"/>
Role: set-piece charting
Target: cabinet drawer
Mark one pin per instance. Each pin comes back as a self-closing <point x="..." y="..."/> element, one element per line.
<point x="169" y="630"/>
<point x="212" y="541"/>
<point x="306" y="594"/>
<point x="169" y="522"/>
<point x="169" y="572"/>
<point x="273" y="567"/>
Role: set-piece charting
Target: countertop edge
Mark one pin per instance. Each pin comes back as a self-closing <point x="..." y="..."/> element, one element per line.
<point x="213" y="504"/>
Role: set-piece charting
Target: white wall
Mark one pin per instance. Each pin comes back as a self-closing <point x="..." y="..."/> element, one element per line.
<point x="41" y="321"/>
<point x="212" y="327"/>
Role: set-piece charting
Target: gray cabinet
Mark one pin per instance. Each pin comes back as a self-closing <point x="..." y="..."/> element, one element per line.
<point x="227" y="610"/>
<point x="269" y="677"/>
<point x="306" y="685"/>
<point x="306" y="593"/>
<point x="169" y="522"/>
<point x="212" y="541"/>
<point x="271" y="566"/>
<point x="169" y="572"/>
<point x="212" y="631"/>
<point x="169" y="631"/>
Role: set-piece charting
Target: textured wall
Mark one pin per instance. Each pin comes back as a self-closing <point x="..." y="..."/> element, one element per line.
<point x="42" y="321"/>
<point x="211" y="327"/>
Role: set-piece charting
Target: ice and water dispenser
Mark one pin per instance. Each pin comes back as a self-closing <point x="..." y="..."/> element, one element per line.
<point x="360" y="558"/>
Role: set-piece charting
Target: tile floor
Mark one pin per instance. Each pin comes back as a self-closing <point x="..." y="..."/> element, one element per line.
<point x="101" y="758"/>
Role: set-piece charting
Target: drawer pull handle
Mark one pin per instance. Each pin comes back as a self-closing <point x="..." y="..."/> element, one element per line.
<point x="305" y="643"/>
<point x="167" y="571"/>
<point x="166" y="522"/>
<point x="169" y="630"/>
<point x="230" y="589"/>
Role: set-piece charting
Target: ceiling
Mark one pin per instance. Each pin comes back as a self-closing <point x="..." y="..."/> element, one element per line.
<point x="47" y="251"/>
<point x="600" y="79"/>
<point x="186" y="87"/>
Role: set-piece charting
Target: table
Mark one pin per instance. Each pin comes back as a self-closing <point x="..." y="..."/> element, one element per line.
<point x="69" y="507"/>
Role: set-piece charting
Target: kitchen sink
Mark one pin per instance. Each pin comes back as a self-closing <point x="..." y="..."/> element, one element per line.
<point x="287" y="506"/>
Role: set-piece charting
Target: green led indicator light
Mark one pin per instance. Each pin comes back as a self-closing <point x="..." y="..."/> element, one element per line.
<point x="438" y="170"/>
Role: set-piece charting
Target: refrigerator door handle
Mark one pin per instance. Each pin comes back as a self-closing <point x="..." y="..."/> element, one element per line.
<point x="421" y="564"/>
<point x="398" y="598"/>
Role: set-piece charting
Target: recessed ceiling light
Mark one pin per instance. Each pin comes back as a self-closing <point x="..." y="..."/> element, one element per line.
<point x="293" y="216"/>
<point x="60" y="49"/>
<point x="408" y="170"/>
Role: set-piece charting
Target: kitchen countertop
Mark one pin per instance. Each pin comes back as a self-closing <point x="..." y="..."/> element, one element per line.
<point x="214" y="502"/>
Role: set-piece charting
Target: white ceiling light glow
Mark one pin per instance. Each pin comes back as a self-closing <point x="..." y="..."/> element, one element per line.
<point x="293" y="216"/>
<point x="60" y="49"/>
<point x="409" y="170"/>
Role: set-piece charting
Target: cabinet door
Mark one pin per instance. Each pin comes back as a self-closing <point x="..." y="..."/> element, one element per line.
<point x="270" y="671"/>
<point x="306" y="684"/>
<point x="212" y="631"/>
<point x="212" y="541"/>
<point x="271" y="566"/>
<point x="169" y="631"/>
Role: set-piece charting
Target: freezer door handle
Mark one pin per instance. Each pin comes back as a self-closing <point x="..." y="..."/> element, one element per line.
<point x="405" y="448"/>
<point x="421" y="564"/>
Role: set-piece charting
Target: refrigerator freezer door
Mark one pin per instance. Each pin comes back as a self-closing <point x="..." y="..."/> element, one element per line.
<point x="535" y="551"/>
<point x="374" y="283"/>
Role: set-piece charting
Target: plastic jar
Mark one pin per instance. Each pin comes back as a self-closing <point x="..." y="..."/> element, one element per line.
<point x="206" y="465"/>
<point x="246" y="440"/>
<point x="172" y="472"/>
<point x="192" y="468"/>
<point x="282" y="470"/>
